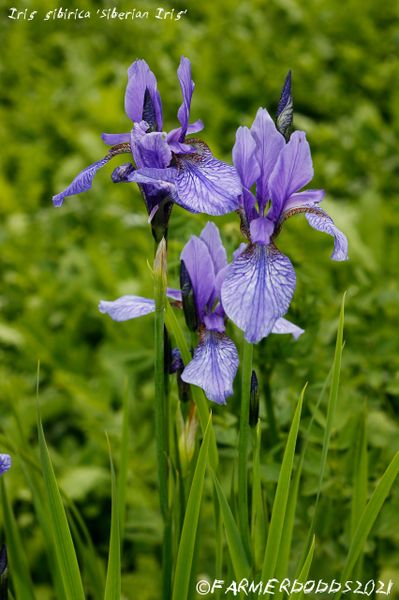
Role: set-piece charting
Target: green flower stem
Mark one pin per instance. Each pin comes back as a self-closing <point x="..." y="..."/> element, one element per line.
<point x="246" y="372"/>
<point x="162" y="412"/>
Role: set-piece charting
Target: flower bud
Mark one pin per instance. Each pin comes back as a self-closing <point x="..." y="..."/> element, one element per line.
<point x="187" y="292"/>
<point x="254" y="401"/>
<point x="3" y="572"/>
<point x="187" y="441"/>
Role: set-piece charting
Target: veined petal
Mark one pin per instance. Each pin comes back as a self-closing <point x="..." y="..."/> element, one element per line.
<point x="293" y="170"/>
<point x="205" y="184"/>
<point x="258" y="290"/>
<point x="121" y="174"/>
<point x="5" y="463"/>
<point x="213" y="366"/>
<point x="199" y="264"/>
<point x="318" y="219"/>
<point x="244" y="157"/>
<point x="112" y="139"/>
<point x="174" y="135"/>
<point x="140" y="79"/>
<point x="284" y="326"/>
<point x="82" y="182"/>
<point x="127" y="307"/>
<point x="269" y="144"/>
<point x="211" y="236"/>
<point x="187" y="88"/>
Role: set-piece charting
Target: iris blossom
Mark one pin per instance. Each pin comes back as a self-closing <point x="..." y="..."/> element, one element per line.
<point x="167" y="166"/>
<point x="215" y="360"/>
<point x="5" y="463"/>
<point x="260" y="282"/>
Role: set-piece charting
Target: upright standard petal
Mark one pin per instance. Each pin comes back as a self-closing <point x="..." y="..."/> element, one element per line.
<point x="5" y="463"/>
<point x="213" y="367"/>
<point x="245" y="157"/>
<point x="127" y="307"/>
<point x="293" y="170"/>
<point x="318" y="219"/>
<point x="269" y="144"/>
<point x="187" y="88"/>
<point x="199" y="264"/>
<point x="82" y="182"/>
<point x="140" y="80"/>
<point x="211" y="236"/>
<point x="285" y="108"/>
<point x="258" y="290"/>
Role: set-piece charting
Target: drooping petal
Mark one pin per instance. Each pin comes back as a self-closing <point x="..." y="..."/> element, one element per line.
<point x="261" y="230"/>
<point x="127" y="307"/>
<point x="285" y="108"/>
<point x="293" y="170"/>
<point x="205" y="184"/>
<point x="82" y="182"/>
<point x="112" y="139"/>
<point x="318" y="219"/>
<point x="5" y="463"/>
<point x="199" y="264"/>
<point x="258" y="290"/>
<point x="301" y="201"/>
<point x="211" y="236"/>
<point x="284" y="326"/>
<point x="213" y="366"/>
<point x="140" y="79"/>
<point x="269" y="144"/>
<point x="244" y="157"/>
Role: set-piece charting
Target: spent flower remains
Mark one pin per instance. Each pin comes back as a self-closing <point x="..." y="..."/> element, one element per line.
<point x="254" y="291"/>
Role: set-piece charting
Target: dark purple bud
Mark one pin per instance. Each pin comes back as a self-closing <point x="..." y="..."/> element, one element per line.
<point x="121" y="173"/>
<point x="176" y="362"/>
<point x="149" y="111"/>
<point x="188" y="297"/>
<point x="3" y="573"/>
<point x="160" y="220"/>
<point x="254" y="401"/>
<point x="285" y="109"/>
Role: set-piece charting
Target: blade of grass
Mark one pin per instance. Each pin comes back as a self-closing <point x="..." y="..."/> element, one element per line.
<point x="281" y="498"/>
<point x="236" y="549"/>
<point x="63" y="544"/>
<point x="185" y="553"/>
<point x="360" y="475"/>
<point x="113" y="581"/>
<point x="304" y="572"/>
<point x="123" y="460"/>
<point x="331" y="410"/>
<point x="368" y="518"/>
<point x="19" y="569"/>
<point x="175" y="330"/>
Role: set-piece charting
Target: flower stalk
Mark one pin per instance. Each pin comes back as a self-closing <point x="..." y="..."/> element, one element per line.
<point x="246" y="376"/>
<point x="162" y="410"/>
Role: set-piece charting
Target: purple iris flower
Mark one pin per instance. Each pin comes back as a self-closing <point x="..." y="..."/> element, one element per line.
<point x="215" y="360"/>
<point x="167" y="166"/>
<point x="5" y="463"/>
<point x="260" y="282"/>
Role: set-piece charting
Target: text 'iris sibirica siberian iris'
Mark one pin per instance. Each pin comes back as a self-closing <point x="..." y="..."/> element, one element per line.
<point x="168" y="167"/>
<point x="260" y="283"/>
<point x="215" y="360"/>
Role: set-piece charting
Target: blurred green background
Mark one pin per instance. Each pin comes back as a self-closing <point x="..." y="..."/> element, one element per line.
<point x="62" y="85"/>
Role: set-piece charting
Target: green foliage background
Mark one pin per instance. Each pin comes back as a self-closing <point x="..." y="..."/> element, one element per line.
<point x="62" y="84"/>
